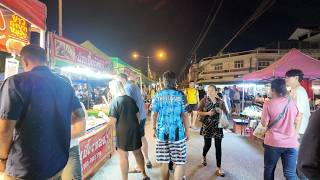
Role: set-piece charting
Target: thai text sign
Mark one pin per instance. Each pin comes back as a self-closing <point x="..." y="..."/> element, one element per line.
<point x="66" y="50"/>
<point x="95" y="148"/>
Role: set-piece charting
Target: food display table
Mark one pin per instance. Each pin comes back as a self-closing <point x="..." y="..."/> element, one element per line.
<point x="239" y="126"/>
<point x="96" y="146"/>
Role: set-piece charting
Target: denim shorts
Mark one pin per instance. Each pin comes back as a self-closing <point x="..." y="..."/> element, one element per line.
<point x="73" y="168"/>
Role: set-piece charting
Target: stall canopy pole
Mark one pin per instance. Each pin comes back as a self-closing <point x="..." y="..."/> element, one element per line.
<point x="242" y="102"/>
<point x="42" y="38"/>
<point x="141" y="82"/>
<point x="60" y="17"/>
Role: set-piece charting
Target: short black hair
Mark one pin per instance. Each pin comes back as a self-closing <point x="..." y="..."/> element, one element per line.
<point x="124" y="76"/>
<point x="295" y="72"/>
<point x="34" y="53"/>
<point x="279" y="86"/>
<point x="170" y="79"/>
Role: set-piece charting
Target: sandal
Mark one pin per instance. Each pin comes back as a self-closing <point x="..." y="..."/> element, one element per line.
<point x="148" y="165"/>
<point x="134" y="171"/>
<point x="204" y="161"/>
<point x="220" y="173"/>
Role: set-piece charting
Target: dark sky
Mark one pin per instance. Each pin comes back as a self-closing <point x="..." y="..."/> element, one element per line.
<point x="119" y="27"/>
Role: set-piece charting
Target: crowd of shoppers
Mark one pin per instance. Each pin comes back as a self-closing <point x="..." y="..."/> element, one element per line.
<point x="41" y="119"/>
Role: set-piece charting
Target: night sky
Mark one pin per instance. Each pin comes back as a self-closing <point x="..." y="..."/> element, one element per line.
<point x="119" y="27"/>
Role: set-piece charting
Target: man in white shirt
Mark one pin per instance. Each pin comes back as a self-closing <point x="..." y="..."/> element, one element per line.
<point x="300" y="97"/>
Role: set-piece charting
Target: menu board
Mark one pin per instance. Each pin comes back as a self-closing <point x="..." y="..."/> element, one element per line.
<point x="11" y="67"/>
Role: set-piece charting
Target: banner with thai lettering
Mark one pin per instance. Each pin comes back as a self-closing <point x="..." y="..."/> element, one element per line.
<point x="14" y="31"/>
<point x="95" y="148"/>
<point x="69" y="51"/>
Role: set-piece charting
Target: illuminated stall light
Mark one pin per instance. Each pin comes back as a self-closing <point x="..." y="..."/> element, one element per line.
<point x="87" y="72"/>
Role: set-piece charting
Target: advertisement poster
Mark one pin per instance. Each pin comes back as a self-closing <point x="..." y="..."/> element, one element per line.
<point x="11" y="67"/>
<point x="14" y="31"/>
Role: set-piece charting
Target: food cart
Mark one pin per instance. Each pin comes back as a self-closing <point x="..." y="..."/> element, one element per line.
<point x="72" y="60"/>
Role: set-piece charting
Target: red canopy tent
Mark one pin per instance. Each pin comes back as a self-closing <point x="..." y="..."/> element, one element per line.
<point x="294" y="59"/>
<point x="33" y="11"/>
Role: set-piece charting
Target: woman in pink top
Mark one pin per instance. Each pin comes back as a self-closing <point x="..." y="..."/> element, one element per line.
<point x="281" y="139"/>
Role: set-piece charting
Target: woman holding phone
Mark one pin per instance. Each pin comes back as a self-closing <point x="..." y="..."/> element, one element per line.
<point x="210" y="109"/>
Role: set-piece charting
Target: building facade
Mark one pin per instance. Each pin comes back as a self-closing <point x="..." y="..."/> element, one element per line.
<point x="229" y="68"/>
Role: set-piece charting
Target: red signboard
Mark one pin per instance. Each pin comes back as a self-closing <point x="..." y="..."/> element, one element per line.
<point x="14" y="31"/>
<point x="67" y="50"/>
<point x="95" y="148"/>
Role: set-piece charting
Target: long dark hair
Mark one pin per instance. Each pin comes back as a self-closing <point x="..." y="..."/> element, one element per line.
<point x="279" y="86"/>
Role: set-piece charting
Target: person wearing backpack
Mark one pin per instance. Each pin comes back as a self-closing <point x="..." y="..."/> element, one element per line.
<point x="281" y="139"/>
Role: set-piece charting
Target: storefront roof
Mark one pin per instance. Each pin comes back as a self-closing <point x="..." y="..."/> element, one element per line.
<point x="33" y="11"/>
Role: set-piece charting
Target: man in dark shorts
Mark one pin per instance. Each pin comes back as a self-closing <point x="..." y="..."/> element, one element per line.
<point x="134" y="92"/>
<point x="36" y="112"/>
<point x="192" y="95"/>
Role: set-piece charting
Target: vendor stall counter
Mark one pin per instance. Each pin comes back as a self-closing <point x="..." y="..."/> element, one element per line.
<point x="96" y="146"/>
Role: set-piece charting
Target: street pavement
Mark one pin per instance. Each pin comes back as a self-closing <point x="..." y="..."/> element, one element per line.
<point x="242" y="159"/>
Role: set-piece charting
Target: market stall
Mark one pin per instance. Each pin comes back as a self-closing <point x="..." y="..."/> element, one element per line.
<point x="18" y="20"/>
<point x="294" y="59"/>
<point x="89" y="74"/>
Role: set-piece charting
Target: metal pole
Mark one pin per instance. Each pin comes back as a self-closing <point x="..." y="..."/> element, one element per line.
<point x="149" y="71"/>
<point x="60" y="17"/>
<point x="141" y="83"/>
<point x="243" y="100"/>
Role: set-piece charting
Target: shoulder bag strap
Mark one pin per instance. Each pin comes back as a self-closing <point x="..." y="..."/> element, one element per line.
<point x="280" y="116"/>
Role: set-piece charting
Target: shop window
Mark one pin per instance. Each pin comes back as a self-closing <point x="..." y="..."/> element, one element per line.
<point x="238" y="64"/>
<point x="218" y="67"/>
<point x="216" y="77"/>
<point x="238" y="76"/>
<point x="263" y="64"/>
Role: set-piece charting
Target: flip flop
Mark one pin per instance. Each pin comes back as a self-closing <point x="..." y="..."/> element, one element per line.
<point x="134" y="171"/>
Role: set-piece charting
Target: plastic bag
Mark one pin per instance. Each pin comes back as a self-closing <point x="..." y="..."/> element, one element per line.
<point x="223" y="121"/>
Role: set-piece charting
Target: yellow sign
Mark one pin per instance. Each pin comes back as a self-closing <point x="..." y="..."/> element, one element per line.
<point x="14" y="31"/>
<point x="18" y="27"/>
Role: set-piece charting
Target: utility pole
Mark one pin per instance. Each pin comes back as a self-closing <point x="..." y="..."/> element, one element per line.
<point x="149" y="70"/>
<point x="60" y="17"/>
